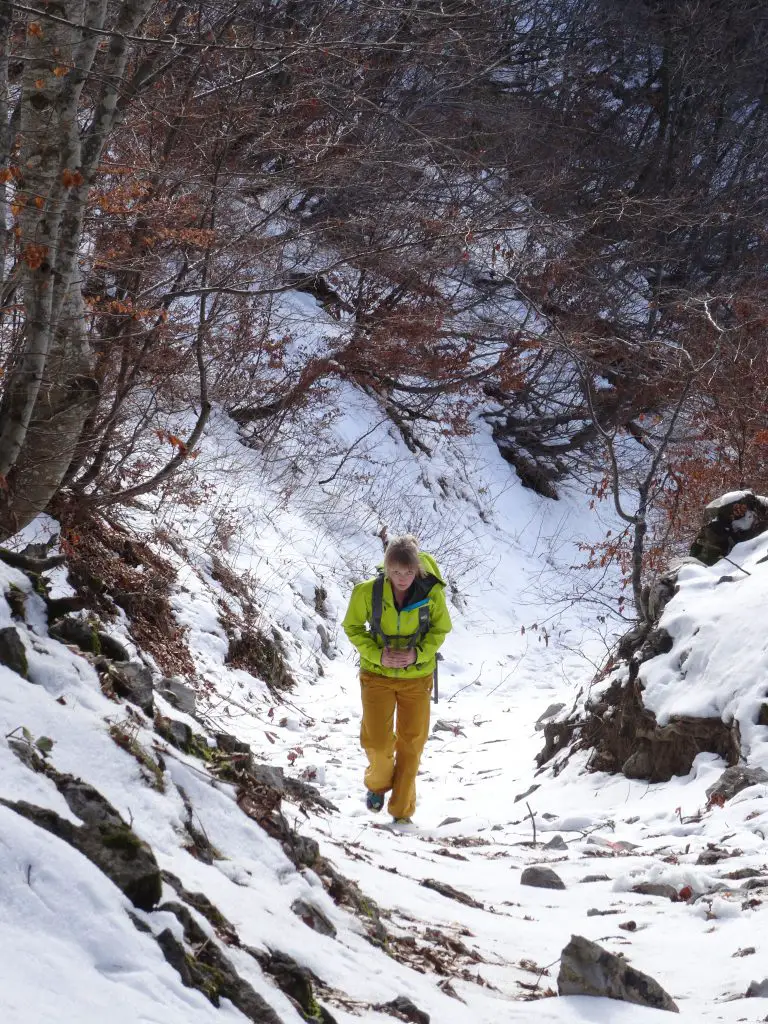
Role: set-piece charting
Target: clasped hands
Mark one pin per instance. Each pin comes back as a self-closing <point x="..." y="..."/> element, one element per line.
<point x="397" y="659"/>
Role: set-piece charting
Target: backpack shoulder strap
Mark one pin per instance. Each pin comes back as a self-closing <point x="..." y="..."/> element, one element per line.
<point x="377" y="605"/>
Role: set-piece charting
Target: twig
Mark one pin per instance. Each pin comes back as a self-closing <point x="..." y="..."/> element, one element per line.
<point x="350" y="450"/>
<point x="727" y="559"/>
<point x="544" y="970"/>
<point x="533" y="821"/>
<point x="475" y="680"/>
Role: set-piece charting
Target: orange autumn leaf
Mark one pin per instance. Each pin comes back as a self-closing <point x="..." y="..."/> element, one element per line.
<point x="39" y="83"/>
<point x="5" y="175"/>
<point x="71" y="179"/>
<point x="39" y="202"/>
<point x="34" y="29"/>
<point x="34" y="255"/>
<point x="177" y="443"/>
<point x="173" y="440"/>
<point x="60" y="71"/>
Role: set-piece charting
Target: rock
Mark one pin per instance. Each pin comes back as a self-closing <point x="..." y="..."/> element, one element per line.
<point x="293" y="790"/>
<point x="205" y="967"/>
<point x="449" y="821"/>
<point x="734" y="517"/>
<point x="16" y="599"/>
<point x="133" y="682"/>
<point x="556" y="843"/>
<point x="230" y="744"/>
<point x="754" y="883"/>
<point x="712" y="855"/>
<point x="626" y="737"/>
<point x="441" y="725"/>
<point x="314" y="918"/>
<point x="660" y="593"/>
<point x="12" y="652"/>
<point x="632" y="640"/>
<point x="595" y="878"/>
<point x="662" y="889"/>
<point x="616" y="845"/>
<point x="290" y="788"/>
<point x="531" y="789"/>
<point x="557" y="735"/>
<point x="203" y="905"/>
<point x="88" y="638"/>
<point x="757" y="988"/>
<point x="586" y="969"/>
<point x="733" y="781"/>
<point x="107" y="841"/>
<point x="638" y="765"/>
<point x="404" y="1009"/>
<point x="326" y="645"/>
<point x="740" y="873"/>
<point x="178" y="734"/>
<point x="552" y="710"/>
<point x="541" y="878"/>
<point x="657" y="642"/>
<point x="296" y="981"/>
<point x="450" y="893"/>
<point x="176" y="692"/>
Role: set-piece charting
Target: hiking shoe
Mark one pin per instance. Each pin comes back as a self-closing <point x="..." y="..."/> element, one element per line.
<point x="402" y="821"/>
<point x="374" y="801"/>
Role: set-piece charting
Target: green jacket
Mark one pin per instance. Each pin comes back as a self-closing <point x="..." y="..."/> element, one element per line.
<point x="399" y="623"/>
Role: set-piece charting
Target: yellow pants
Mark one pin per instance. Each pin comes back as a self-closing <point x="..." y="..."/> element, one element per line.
<point x="394" y="751"/>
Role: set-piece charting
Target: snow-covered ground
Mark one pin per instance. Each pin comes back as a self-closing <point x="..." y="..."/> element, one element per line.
<point x="528" y="633"/>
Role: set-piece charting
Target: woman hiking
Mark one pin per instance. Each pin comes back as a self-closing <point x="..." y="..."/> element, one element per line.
<point x="397" y="622"/>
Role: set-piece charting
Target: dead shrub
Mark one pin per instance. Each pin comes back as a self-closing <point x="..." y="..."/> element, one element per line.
<point x="110" y="568"/>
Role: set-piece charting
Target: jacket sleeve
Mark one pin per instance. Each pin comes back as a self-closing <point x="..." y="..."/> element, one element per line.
<point x="354" y="624"/>
<point x="439" y="626"/>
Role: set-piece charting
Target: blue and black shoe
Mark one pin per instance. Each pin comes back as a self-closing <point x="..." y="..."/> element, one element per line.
<point x="374" y="801"/>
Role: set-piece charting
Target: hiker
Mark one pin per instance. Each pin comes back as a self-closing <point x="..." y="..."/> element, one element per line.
<point x="407" y="617"/>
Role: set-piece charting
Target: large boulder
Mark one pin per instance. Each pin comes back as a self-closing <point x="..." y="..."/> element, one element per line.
<point x="586" y="969"/>
<point x="625" y="737"/>
<point x="734" y="517"/>
<point x="622" y="733"/>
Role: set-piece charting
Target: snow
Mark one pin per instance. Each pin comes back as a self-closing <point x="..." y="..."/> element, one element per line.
<point x="527" y="634"/>
<point x="727" y="499"/>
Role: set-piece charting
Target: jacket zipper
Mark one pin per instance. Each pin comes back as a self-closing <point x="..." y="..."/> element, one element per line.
<point x="398" y="632"/>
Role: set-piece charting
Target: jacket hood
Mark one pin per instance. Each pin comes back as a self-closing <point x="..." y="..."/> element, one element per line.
<point x="431" y="566"/>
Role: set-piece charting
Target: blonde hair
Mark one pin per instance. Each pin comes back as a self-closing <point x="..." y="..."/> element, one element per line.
<point x="403" y="551"/>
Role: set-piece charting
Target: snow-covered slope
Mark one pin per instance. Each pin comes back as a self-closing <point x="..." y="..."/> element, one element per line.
<point x="281" y="550"/>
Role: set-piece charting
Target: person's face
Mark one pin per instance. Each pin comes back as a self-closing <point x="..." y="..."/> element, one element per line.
<point x="401" y="577"/>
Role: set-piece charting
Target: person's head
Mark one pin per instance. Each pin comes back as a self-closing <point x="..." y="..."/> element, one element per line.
<point x="401" y="561"/>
